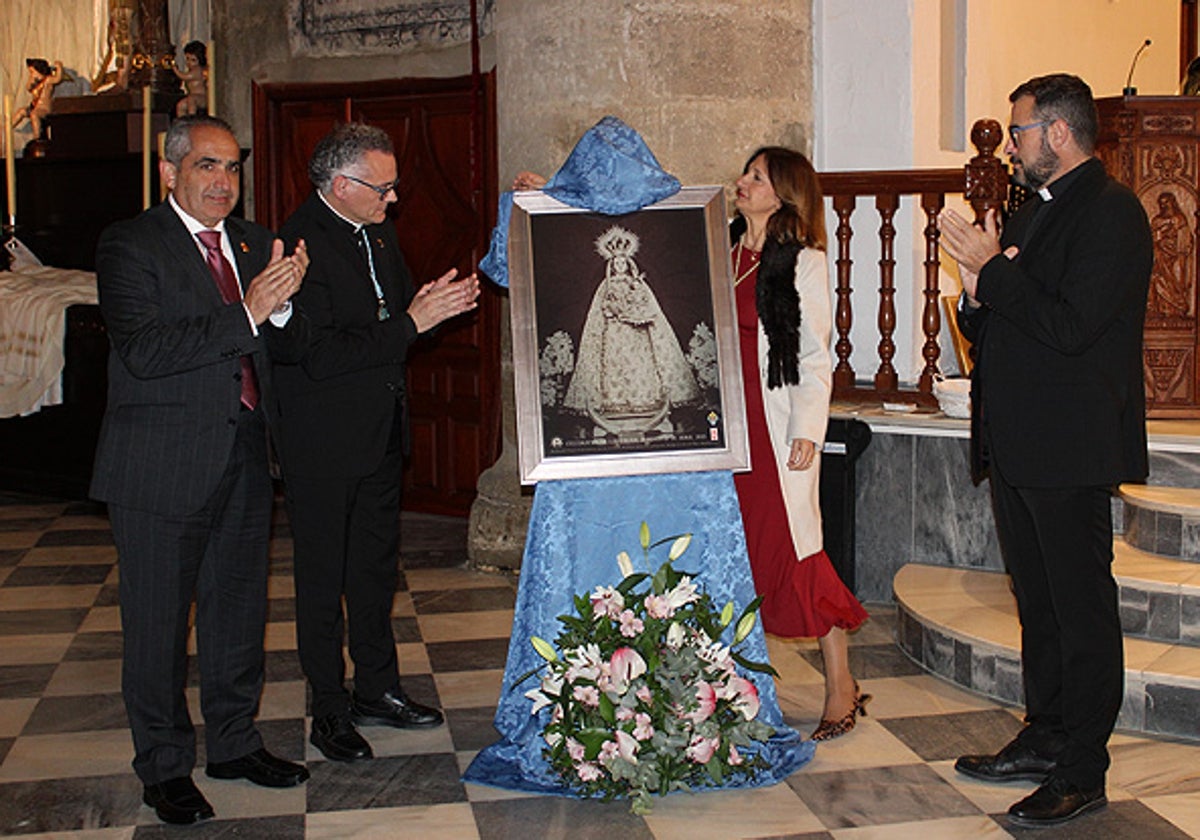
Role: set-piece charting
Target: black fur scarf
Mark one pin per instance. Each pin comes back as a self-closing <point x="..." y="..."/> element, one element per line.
<point x="778" y="305"/>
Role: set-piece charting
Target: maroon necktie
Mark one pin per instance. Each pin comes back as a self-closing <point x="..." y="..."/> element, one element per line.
<point x="222" y="273"/>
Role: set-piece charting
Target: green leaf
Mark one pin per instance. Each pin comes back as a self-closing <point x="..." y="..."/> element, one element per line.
<point x="544" y="649"/>
<point x="607" y="710"/>
<point x="627" y="585"/>
<point x="679" y="546"/>
<point x="524" y="677"/>
<point x="751" y="665"/>
<point x="644" y="536"/>
<point x="592" y="740"/>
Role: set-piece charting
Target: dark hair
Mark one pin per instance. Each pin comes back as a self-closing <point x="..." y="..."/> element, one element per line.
<point x="40" y="64"/>
<point x="1061" y="96"/>
<point x="801" y="214"/>
<point x="198" y="49"/>
<point x="344" y="146"/>
<point x="179" y="136"/>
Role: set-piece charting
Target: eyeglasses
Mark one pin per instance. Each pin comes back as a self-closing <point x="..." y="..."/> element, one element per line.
<point x="1014" y="131"/>
<point x="381" y="191"/>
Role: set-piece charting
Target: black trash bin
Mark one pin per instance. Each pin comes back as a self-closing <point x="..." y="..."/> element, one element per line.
<point x="845" y="441"/>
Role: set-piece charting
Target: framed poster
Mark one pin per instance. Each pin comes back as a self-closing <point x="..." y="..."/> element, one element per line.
<point x="625" y="346"/>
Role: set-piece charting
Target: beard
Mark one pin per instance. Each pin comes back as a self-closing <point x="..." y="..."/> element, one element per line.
<point x="1035" y="173"/>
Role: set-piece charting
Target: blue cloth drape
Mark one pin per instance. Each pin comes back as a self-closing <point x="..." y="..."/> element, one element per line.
<point x="611" y="170"/>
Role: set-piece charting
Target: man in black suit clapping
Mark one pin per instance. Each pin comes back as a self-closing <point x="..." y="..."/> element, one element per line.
<point x="1054" y="307"/>
<point x="343" y="434"/>
<point x="190" y="299"/>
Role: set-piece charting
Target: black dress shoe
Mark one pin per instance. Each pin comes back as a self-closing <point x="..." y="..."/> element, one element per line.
<point x="338" y="740"/>
<point x="261" y="768"/>
<point x="177" y="801"/>
<point x="1015" y="763"/>
<point x="394" y="709"/>
<point x="1056" y="802"/>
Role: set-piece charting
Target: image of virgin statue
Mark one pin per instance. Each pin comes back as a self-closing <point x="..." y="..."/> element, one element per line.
<point x="630" y="370"/>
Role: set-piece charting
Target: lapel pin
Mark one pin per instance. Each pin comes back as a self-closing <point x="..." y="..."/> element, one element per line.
<point x="378" y="242"/>
<point x="245" y="248"/>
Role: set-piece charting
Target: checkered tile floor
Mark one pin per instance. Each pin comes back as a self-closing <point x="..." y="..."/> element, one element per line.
<point x="65" y="751"/>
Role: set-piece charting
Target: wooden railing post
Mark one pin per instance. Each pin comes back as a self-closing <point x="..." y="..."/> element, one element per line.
<point x="931" y="314"/>
<point x="843" y="373"/>
<point x="986" y="185"/>
<point x="886" y="379"/>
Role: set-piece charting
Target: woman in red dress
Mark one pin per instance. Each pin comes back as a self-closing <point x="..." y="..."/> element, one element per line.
<point x="784" y="322"/>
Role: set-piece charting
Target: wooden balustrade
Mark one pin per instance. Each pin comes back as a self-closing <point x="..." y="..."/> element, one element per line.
<point x="983" y="183"/>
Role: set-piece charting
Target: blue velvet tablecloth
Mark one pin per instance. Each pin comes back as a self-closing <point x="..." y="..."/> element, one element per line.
<point x="576" y="529"/>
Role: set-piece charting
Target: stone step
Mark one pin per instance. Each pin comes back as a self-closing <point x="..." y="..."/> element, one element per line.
<point x="962" y="625"/>
<point x="1163" y="520"/>
<point x="1159" y="596"/>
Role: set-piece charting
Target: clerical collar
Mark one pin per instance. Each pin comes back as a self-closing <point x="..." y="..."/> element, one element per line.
<point x="1062" y="183"/>
<point x="355" y="227"/>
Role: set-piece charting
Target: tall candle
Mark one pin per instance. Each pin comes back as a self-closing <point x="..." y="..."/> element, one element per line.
<point x="146" y="147"/>
<point x="162" y="155"/>
<point x="210" y="90"/>
<point x="10" y="167"/>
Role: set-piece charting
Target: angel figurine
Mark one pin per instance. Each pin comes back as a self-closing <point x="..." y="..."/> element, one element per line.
<point x="42" y="79"/>
<point x="195" y="80"/>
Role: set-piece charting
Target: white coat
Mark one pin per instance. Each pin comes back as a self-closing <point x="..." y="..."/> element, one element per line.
<point x="802" y="411"/>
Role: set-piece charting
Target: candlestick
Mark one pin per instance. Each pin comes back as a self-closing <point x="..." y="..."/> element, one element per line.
<point x="146" y="147"/>
<point x="162" y="155"/>
<point x="10" y="160"/>
<point x="210" y="90"/>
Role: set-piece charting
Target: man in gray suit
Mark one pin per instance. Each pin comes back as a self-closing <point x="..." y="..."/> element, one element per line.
<point x="190" y="299"/>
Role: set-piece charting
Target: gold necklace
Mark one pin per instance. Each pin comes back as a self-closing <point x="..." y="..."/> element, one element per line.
<point x="737" y="260"/>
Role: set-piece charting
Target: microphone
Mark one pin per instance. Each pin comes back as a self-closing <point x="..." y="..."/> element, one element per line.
<point x="1130" y="90"/>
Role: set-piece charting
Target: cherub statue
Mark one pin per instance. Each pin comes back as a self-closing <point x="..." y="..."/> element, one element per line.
<point x="42" y="79"/>
<point x="195" y="80"/>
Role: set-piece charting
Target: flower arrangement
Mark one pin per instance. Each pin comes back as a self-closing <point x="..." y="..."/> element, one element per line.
<point x="646" y="698"/>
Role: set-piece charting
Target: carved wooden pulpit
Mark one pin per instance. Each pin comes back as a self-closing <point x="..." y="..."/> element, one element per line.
<point x="1152" y="144"/>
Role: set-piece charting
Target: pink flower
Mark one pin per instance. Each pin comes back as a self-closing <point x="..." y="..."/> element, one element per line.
<point x="631" y="625"/>
<point x="735" y="757"/>
<point x="746" y="696"/>
<point x="643" y="693"/>
<point x="585" y="663"/>
<point x="657" y="606"/>
<point x="706" y="702"/>
<point x="575" y="749"/>
<point x="625" y="667"/>
<point x="684" y="593"/>
<point x="607" y="601"/>
<point x="624" y="713"/>
<point x="627" y="746"/>
<point x="588" y="695"/>
<point x="701" y="749"/>
<point x="608" y="751"/>
<point x="642" y="729"/>
<point x="588" y="771"/>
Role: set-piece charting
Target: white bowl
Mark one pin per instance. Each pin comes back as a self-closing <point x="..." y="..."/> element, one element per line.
<point x="953" y="396"/>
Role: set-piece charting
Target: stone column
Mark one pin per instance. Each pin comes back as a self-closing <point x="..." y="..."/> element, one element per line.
<point x="500" y="512"/>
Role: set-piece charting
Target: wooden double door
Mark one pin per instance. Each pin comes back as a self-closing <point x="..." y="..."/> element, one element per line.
<point x="444" y="135"/>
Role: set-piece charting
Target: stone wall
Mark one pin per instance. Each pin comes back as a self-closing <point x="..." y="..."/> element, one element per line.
<point x="705" y="82"/>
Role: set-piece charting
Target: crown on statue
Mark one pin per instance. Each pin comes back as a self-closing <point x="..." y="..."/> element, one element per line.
<point x="617" y="242"/>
